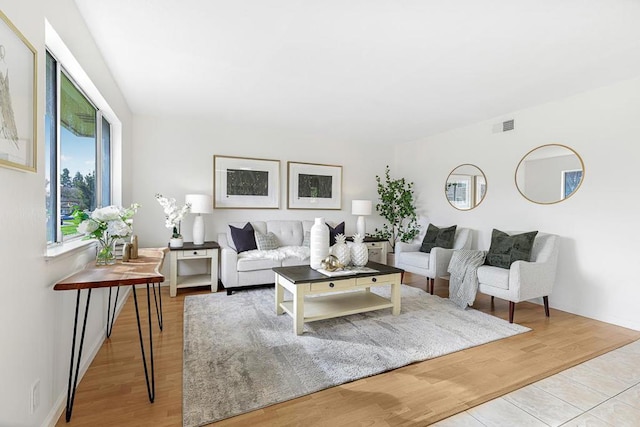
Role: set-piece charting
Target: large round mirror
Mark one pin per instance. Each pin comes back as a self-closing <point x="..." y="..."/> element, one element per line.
<point x="466" y="187"/>
<point x="549" y="174"/>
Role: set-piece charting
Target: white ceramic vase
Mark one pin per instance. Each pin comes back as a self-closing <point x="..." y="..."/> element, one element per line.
<point x="318" y="244"/>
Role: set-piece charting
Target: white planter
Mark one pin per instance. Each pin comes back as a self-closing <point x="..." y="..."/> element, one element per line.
<point x="176" y="243"/>
<point x="319" y="243"/>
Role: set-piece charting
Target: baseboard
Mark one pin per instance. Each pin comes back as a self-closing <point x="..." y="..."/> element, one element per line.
<point x="59" y="407"/>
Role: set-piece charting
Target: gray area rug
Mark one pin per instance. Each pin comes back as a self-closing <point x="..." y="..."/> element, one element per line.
<point x="240" y="356"/>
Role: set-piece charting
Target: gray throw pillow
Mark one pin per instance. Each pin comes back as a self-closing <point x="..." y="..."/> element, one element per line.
<point x="438" y="237"/>
<point x="506" y="249"/>
<point x="243" y="238"/>
<point x="267" y="242"/>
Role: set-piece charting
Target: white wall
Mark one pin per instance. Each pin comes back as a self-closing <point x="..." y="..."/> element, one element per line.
<point x="174" y="156"/>
<point x="36" y="321"/>
<point x="599" y="227"/>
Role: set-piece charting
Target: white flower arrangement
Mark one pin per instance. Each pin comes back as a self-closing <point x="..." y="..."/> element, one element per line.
<point x="172" y="213"/>
<point x="106" y="225"/>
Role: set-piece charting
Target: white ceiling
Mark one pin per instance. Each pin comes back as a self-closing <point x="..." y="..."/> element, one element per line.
<point x="379" y="71"/>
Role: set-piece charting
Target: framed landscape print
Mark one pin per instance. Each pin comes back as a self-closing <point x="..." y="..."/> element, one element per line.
<point x="246" y="183"/>
<point x="313" y="186"/>
<point x="17" y="98"/>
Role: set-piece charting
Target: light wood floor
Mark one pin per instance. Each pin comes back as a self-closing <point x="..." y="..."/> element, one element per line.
<point x="113" y="391"/>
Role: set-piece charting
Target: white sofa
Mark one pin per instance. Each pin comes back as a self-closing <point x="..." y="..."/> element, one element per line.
<point x="251" y="269"/>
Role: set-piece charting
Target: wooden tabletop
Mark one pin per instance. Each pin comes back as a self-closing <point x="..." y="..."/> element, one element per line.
<point x="144" y="269"/>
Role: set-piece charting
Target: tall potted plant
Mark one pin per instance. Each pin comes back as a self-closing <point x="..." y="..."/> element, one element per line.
<point x="397" y="206"/>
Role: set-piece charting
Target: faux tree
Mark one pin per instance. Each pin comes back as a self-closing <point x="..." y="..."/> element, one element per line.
<point x="397" y="206"/>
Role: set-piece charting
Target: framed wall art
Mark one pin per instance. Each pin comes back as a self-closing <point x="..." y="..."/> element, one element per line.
<point x="246" y="183"/>
<point x="18" y="68"/>
<point x="313" y="186"/>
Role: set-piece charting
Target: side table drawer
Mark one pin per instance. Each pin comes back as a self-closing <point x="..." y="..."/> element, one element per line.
<point x="333" y="285"/>
<point x="374" y="280"/>
<point x="193" y="253"/>
<point x="375" y="245"/>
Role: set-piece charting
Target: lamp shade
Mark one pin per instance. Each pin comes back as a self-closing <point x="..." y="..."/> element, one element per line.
<point x="200" y="203"/>
<point x="361" y="207"/>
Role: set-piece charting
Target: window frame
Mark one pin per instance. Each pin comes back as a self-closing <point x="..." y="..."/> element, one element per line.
<point x="54" y="151"/>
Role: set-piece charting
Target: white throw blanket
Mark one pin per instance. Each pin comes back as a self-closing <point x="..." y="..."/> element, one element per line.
<point x="463" y="283"/>
<point x="300" y="252"/>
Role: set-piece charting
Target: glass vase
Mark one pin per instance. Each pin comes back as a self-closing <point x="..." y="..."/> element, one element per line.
<point x="106" y="254"/>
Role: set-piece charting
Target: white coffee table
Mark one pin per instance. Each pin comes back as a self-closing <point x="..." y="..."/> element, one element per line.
<point x="318" y="297"/>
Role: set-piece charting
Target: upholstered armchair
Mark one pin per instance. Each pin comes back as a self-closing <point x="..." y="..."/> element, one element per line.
<point x="524" y="280"/>
<point x="432" y="264"/>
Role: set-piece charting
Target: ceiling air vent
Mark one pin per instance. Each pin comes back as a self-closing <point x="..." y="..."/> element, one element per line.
<point x="508" y="125"/>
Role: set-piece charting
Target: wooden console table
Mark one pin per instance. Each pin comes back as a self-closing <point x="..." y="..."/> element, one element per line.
<point x="142" y="270"/>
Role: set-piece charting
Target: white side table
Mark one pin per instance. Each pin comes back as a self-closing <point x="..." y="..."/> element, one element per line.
<point x="377" y="249"/>
<point x="207" y="251"/>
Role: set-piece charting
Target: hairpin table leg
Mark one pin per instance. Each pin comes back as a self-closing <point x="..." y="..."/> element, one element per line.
<point x="158" y="311"/>
<point x="151" y="388"/>
<point x="111" y="315"/>
<point x="71" y="391"/>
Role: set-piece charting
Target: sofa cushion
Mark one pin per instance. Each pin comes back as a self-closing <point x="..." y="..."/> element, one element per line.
<point x="289" y="232"/>
<point x="438" y="237"/>
<point x="266" y="242"/>
<point x="505" y="249"/>
<point x="498" y="277"/>
<point x="249" y="264"/>
<point x="334" y="231"/>
<point x="243" y="238"/>
<point x="290" y="261"/>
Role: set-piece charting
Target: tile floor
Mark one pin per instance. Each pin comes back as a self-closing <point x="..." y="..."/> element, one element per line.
<point x="601" y="392"/>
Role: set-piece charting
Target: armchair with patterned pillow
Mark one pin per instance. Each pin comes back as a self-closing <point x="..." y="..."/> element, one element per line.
<point x="431" y="257"/>
<point x="519" y="267"/>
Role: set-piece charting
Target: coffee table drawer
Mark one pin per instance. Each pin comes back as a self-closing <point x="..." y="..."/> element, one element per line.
<point x="333" y="285"/>
<point x="374" y="280"/>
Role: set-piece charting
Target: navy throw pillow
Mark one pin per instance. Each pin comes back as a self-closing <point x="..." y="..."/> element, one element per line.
<point x="333" y="232"/>
<point x="244" y="238"/>
<point x="505" y="249"/>
<point x="438" y="237"/>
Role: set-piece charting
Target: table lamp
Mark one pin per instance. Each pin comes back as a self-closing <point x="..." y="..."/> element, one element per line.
<point x="200" y="204"/>
<point x="361" y="208"/>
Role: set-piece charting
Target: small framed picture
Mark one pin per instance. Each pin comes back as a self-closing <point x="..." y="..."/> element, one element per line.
<point x="246" y="183"/>
<point x="314" y="186"/>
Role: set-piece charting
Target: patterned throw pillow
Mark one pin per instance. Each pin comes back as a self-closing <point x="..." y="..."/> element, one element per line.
<point x="267" y="242"/>
<point x="307" y="239"/>
<point x="243" y="238"/>
<point x="506" y="249"/>
<point x="333" y="232"/>
<point x="438" y="238"/>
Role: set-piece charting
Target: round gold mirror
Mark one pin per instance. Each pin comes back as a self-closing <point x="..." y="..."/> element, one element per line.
<point x="549" y="174"/>
<point x="466" y="187"/>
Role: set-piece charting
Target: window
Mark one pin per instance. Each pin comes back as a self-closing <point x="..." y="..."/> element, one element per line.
<point x="78" y="147"/>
